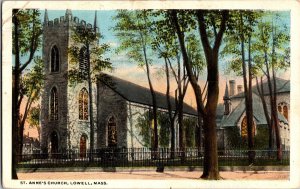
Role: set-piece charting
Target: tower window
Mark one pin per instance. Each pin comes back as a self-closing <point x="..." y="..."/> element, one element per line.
<point x="83" y="104"/>
<point x="54" y="59"/>
<point x="83" y="61"/>
<point x="53" y="104"/>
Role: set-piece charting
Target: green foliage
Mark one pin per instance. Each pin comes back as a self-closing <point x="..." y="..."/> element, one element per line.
<point x="267" y="34"/>
<point x="34" y="118"/>
<point x="190" y="130"/>
<point x="132" y="29"/>
<point x="164" y="131"/>
<point x="32" y="82"/>
<point x="143" y="124"/>
<point x="235" y="141"/>
<point x="272" y="47"/>
<point x="30" y="30"/>
<point x="85" y="37"/>
<point x="242" y="25"/>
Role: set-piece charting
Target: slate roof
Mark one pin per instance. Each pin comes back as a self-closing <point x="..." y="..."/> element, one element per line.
<point x="258" y="113"/>
<point x="282" y="86"/>
<point x="138" y="94"/>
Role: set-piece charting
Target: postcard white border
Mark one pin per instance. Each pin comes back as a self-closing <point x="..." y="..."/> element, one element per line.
<point x="292" y="5"/>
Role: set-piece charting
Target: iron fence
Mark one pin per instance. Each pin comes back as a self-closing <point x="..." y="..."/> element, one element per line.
<point x="145" y="157"/>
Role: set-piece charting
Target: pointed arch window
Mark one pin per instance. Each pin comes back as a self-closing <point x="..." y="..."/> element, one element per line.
<point x="244" y="131"/>
<point x="54" y="59"/>
<point x="83" y="61"/>
<point x="286" y="112"/>
<point x="83" y="102"/>
<point x="112" y="132"/>
<point x="53" y="104"/>
<point x="280" y="109"/>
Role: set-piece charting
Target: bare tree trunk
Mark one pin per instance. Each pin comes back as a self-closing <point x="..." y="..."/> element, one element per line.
<point x="210" y="166"/>
<point x="276" y="120"/>
<point x="91" y="112"/>
<point x="15" y="92"/>
<point x="274" y="100"/>
<point x="260" y="90"/>
<point x="22" y="124"/>
<point x="248" y="93"/>
<point x="171" y="115"/>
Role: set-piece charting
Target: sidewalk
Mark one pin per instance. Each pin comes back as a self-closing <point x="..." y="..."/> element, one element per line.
<point x="152" y="175"/>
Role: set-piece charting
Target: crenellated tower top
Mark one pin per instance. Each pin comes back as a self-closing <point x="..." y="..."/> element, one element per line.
<point x="69" y="20"/>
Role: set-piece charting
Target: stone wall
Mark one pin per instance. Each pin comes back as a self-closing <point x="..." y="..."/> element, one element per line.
<point x="110" y="104"/>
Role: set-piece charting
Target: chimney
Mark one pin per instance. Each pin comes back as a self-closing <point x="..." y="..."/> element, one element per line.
<point x="231" y="87"/>
<point x="240" y="88"/>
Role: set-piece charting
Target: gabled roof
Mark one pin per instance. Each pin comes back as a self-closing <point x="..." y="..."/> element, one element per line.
<point x="138" y="94"/>
<point x="282" y="86"/>
<point x="258" y="114"/>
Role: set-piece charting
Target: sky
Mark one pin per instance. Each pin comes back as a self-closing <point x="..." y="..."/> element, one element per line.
<point x="128" y="70"/>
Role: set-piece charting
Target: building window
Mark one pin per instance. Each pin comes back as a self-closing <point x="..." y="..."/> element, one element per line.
<point x="244" y="131"/>
<point x="54" y="59"/>
<point x="112" y="132"/>
<point x="283" y="109"/>
<point x="83" y="102"/>
<point x="285" y="112"/>
<point x="53" y="104"/>
<point x="83" y="62"/>
<point x="279" y="109"/>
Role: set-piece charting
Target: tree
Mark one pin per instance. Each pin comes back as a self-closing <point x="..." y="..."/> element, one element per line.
<point x="90" y="55"/>
<point x="132" y="29"/>
<point x="166" y="45"/>
<point x="34" y="119"/>
<point x="272" y="53"/>
<point x="26" y="41"/>
<point x="238" y="38"/>
<point x="211" y="47"/>
<point x="30" y="87"/>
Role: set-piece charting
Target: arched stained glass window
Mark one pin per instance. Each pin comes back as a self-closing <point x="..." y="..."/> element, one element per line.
<point x="83" y="62"/>
<point x="83" y="102"/>
<point x="285" y="112"/>
<point x="112" y="132"/>
<point x="54" y="59"/>
<point x="53" y="104"/>
<point x="244" y="131"/>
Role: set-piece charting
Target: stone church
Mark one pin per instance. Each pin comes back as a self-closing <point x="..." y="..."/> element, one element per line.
<point x="117" y="103"/>
<point x="231" y="116"/>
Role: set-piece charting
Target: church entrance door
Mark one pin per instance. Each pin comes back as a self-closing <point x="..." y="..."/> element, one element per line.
<point x="82" y="146"/>
<point x="54" y="142"/>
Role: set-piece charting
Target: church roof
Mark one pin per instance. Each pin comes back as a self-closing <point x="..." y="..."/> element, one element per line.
<point x="141" y="95"/>
<point x="282" y="85"/>
<point x="258" y="113"/>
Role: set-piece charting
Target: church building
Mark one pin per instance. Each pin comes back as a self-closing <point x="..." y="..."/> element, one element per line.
<point x="117" y="103"/>
<point x="232" y="123"/>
